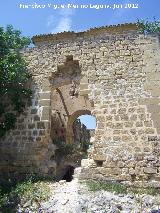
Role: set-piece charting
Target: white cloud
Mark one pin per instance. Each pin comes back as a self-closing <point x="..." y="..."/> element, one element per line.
<point x="119" y="14"/>
<point x="61" y="21"/>
<point x="50" y="21"/>
<point x="64" y="24"/>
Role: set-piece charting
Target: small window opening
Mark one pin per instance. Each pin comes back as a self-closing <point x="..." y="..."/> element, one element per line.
<point x="52" y="157"/>
<point x="99" y="163"/>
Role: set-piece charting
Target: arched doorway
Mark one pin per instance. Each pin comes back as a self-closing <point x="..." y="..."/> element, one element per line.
<point x="70" y="123"/>
<point x="68" y="102"/>
<point x="81" y="127"/>
<point x="83" y="135"/>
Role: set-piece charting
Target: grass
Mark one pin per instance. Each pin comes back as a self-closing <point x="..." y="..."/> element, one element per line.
<point x="148" y="190"/>
<point x="119" y="188"/>
<point x="115" y="187"/>
<point x="30" y="191"/>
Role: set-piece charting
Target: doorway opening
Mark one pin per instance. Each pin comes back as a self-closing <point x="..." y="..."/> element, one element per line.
<point x="68" y="176"/>
<point x="83" y="135"/>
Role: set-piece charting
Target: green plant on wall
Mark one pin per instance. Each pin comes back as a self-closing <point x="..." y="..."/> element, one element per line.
<point x="13" y="77"/>
<point x="149" y="26"/>
<point x="64" y="149"/>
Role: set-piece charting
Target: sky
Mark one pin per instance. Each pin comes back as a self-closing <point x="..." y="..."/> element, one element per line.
<point x="51" y="19"/>
<point x="89" y="121"/>
<point x="34" y="17"/>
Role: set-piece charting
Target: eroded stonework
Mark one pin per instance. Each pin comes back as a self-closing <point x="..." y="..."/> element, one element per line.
<point x="112" y="73"/>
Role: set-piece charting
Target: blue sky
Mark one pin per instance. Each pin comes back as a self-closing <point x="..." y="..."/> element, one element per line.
<point x="89" y="121"/>
<point x="52" y="19"/>
<point x="48" y="20"/>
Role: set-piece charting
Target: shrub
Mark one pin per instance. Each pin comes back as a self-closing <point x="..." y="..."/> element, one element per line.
<point x="149" y="26"/>
<point x="32" y="190"/>
<point x="13" y="77"/>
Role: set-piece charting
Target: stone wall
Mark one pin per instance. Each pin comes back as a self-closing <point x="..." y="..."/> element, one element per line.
<point x="81" y="133"/>
<point x="117" y="74"/>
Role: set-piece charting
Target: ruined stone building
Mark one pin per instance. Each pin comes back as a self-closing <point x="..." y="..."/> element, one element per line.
<point x="112" y="73"/>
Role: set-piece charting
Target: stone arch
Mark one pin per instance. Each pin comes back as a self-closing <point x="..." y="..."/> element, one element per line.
<point x="72" y="118"/>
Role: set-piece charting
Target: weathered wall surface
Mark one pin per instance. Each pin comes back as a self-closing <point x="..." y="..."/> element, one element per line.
<point x="118" y="72"/>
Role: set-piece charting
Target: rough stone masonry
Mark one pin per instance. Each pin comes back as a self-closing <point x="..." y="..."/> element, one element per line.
<point x="112" y="73"/>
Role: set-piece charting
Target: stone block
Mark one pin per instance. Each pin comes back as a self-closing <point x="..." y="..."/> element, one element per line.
<point x="21" y="120"/>
<point x="100" y="125"/>
<point x="40" y="125"/>
<point x="84" y="80"/>
<point x="151" y="158"/>
<point x="109" y="117"/>
<point x="117" y="132"/>
<point x="110" y="164"/>
<point x="131" y="171"/>
<point x="133" y="131"/>
<point x="83" y="87"/>
<point x="121" y="164"/>
<point x="150" y="131"/>
<point x="155" y="92"/>
<point x="100" y="118"/>
<point x="44" y="95"/>
<point x="36" y="118"/>
<point x="153" y="108"/>
<point x="46" y="85"/>
<point x="87" y="163"/>
<point x="118" y="125"/>
<point x="41" y="132"/>
<point x="46" y="102"/>
<point x="113" y="111"/>
<point x="147" y="149"/>
<point x="116" y="171"/>
<point x="139" y="124"/>
<point x="99" y="157"/>
<point x="139" y="156"/>
<point x="149" y="101"/>
<point x="116" y="117"/>
<point x="84" y="92"/>
<point x="124" y="117"/>
<point x="141" y="110"/>
<point x="142" y="117"/>
<point x="34" y="111"/>
<point x="122" y="111"/>
<point x="132" y="109"/>
<point x="148" y="123"/>
<point x="133" y="117"/>
<point x="150" y="170"/>
<point x="31" y="126"/>
<point x="16" y="133"/>
<point x="153" y="76"/>
<point x="21" y="126"/>
<point x="110" y="124"/>
<point x="125" y="171"/>
<point x="46" y="113"/>
<point x="137" y="149"/>
<point x="126" y="138"/>
<point x="35" y="132"/>
<point x="38" y="139"/>
<point x="116" y="138"/>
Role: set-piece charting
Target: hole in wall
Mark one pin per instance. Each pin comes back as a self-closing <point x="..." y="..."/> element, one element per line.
<point x="99" y="163"/>
<point x="52" y="157"/>
<point x="133" y="177"/>
<point x="68" y="176"/>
